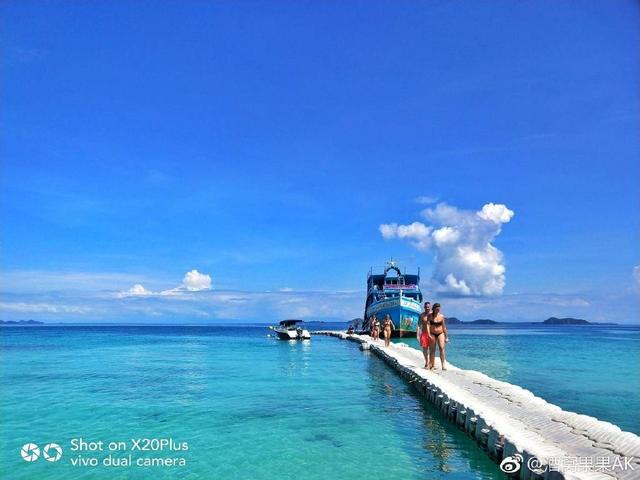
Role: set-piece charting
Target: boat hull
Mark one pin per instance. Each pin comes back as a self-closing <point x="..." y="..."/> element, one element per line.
<point x="404" y="312"/>
<point x="292" y="334"/>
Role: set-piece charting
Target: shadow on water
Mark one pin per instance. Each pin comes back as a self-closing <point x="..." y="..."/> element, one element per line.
<point x="442" y="450"/>
<point x="323" y="437"/>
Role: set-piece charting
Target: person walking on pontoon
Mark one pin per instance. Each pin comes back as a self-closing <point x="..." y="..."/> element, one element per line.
<point x="387" y="327"/>
<point x="438" y="336"/>
<point x="375" y="328"/>
<point x="423" y="334"/>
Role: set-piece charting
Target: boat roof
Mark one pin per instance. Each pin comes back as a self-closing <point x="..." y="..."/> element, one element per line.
<point x="288" y="323"/>
<point x="391" y="266"/>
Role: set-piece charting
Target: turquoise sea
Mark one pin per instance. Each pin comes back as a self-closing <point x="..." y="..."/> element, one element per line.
<point x="253" y="407"/>
<point x="594" y="369"/>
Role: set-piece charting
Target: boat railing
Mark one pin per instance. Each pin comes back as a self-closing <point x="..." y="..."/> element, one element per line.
<point x="408" y="286"/>
<point x="379" y="270"/>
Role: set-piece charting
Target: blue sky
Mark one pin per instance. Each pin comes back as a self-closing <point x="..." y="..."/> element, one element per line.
<point x="264" y="144"/>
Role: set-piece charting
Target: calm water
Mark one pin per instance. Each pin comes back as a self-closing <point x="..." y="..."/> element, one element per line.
<point x="249" y="407"/>
<point x="594" y="370"/>
<point x="257" y="408"/>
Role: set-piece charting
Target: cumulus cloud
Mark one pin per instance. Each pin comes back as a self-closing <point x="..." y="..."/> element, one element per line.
<point x="497" y="213"/>
<point x="445" y="235"/>
<point x="466" y="261"/>
<point x="193" y="281"/>
<point x="136" y="291"/>
<point x="418" y="234"/>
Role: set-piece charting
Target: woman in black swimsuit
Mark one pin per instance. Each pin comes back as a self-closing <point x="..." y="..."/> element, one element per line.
<point x="387" y="327"/>
<point x="375" y="328"/>
<point x="438" y="335"/>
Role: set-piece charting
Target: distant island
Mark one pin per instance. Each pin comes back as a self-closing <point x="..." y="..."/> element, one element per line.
<point x="480" y="321"/>
<point x="566" y="321"/>
<point x="20" y="322"/>
<point x="573" y="321"/>
<point x="484" y="321"/>
<point x="548" y="321"/>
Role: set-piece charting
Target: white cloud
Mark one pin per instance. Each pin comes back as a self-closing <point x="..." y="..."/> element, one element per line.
<point x="265" y="306"/>
<point x="417" y="233"/>
<point x="136" y="291"/>
<point x="286" y="289"/>
<point x="466" y="261"/>
<point x="23" y="307"/>
<point x="456" y="285"/>
<point x="445" y="214"/>
<point x="426" y="200"/>
<point x="194" y="281"/>
<point x="496" y="213"/>
<point x="171" y="292"/>
<point x="445" y="235"/>
<point x="388" y="230"/>
<point x="636" y="275"/>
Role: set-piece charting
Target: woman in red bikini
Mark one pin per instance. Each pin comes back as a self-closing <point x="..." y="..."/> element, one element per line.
<point x="422" y="332"/>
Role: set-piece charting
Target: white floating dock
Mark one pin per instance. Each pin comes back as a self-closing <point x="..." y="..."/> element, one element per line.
<point x="507" y="420"/>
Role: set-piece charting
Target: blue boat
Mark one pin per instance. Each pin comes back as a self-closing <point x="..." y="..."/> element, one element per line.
<point x="397" y="294"/>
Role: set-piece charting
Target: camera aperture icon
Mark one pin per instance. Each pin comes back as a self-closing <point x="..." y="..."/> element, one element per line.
<point x="30" y="452"/>
<point x="52" y="452"/>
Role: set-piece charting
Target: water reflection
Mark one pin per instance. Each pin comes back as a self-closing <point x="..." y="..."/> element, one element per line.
<point x="436" y="447"/>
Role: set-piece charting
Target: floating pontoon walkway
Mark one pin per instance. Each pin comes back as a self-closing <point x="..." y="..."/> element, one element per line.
<point x="509" y="422"/>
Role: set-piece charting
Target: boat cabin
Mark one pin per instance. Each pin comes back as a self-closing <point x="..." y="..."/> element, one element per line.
<point x="289" y="323"/>
<point x="393" y="283"/>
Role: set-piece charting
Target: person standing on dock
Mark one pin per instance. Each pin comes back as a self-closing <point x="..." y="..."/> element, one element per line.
<point x="375" y="328"/>
<point x="438" y="336"/>
<point x="422" y="333"/>
<point x="388" y="327"/>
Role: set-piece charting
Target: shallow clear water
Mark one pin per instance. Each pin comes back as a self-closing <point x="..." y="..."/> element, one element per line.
<point x="594" y="370"/>
<point x="250" y="407"/>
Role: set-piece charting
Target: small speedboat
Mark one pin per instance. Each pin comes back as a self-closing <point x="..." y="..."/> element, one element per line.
<point x="291" y="330"/>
